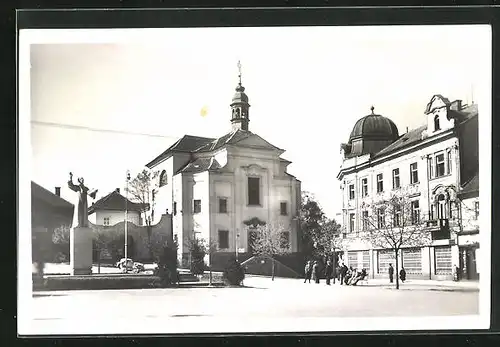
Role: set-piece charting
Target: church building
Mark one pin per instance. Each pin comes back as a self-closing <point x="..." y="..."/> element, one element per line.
<point x="437" y="166"/>
<point x="219" y="189"/>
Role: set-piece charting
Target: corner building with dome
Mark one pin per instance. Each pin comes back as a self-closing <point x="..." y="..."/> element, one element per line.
<point x="437" y="166"/>
<point x="220" y="189"/>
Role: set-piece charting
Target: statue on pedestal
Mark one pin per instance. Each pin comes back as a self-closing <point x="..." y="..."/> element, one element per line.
<point x="82" y="207"/>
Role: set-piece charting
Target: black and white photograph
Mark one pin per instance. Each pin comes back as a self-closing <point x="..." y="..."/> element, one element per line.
<point x="254" y="179"/>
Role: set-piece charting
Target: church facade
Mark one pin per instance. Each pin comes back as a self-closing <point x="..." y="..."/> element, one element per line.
<point x="436" y="166"/>
<point x="219" y="189"/>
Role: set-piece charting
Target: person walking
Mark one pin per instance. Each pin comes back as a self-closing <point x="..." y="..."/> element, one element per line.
<point x="328" y="272"/>
<point x="308" y="271"/>
<point x="391" y="273"/>
<point x="316" y="272"/>
<point x="343" y="273"/>
<point x="402" y="274"/>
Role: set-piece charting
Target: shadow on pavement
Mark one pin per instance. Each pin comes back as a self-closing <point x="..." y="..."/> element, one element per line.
<point x="190" y="315"/>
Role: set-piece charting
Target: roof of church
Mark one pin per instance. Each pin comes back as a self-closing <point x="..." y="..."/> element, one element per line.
<point x="227" y="139"/>
<point x="115" y="201"/>
<point x="200" y="165"/>
<point x="187" y="143"/>
<point x="39" y="192"/>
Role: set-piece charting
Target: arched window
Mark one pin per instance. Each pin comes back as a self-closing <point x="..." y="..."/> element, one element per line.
<point x="436" y="123"/>
<point x="163" y="178"/>
<point x="237" y="113"/>
<point x="441" y="207"/>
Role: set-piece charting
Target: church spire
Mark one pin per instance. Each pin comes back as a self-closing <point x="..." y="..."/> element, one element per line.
<point x="240" y="106"/>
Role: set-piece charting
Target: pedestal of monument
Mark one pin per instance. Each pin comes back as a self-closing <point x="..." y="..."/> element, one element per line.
<point x="81" y="250"/>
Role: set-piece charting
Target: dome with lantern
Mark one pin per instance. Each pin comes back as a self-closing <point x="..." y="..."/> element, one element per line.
<point x="371" y="134"/>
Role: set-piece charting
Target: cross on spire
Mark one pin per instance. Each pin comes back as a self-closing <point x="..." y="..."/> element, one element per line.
<point x="372" y="108"/>
<point x="239" y="71"/>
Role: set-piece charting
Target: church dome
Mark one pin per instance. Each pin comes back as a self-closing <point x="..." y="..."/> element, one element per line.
<point x="374" y="127"/>
<point x="240" y="96"/>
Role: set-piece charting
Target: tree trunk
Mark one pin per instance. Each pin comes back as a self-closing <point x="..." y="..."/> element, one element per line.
<point x="396" y="270"/>
<point x="272" y="269"/>
<point x="210" y="268"/>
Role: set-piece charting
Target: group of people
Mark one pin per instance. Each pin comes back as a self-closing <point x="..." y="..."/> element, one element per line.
<point x="342" y="273"/>
<point x="402" y="274"/>
<point x="345" y="275"/>
<point x="313" y="270"/>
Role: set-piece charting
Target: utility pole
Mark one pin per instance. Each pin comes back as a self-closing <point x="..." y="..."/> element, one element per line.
<point x="236" y="244"/>
<point x="126" y="222"/>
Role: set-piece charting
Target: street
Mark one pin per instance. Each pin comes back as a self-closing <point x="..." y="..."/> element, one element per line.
<point x="260" y="298"/>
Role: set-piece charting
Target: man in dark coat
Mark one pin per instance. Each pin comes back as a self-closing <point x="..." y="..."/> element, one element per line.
<point x="343" y="273"/>
<point x="391" y="273"/>
<point x="328" y="272"/>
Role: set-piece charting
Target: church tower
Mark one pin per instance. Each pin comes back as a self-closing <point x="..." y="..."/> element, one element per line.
<point x="240" y="106"/>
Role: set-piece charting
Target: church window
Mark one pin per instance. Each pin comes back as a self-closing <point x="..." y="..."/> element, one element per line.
<point x="163" y="178"/>
<point x="283" y="208"/>
<point x="175" y="208"/>
<point x="380" y="183"/>
<point x="436" y="123"/>
<point x="223" y="239"/>
<point x="237" y="113"/>
<point x="196" y="206"/>
<point x="351" y="191"/>
<point x="106" y="221"/>
<point x="253" y="190"/>
<point x="222" y="205"/>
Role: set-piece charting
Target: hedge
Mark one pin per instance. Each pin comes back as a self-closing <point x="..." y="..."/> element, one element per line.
<point x="96" y="282"/>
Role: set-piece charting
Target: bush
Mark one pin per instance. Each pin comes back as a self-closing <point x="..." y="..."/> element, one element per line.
<point x="198" y="252"/>
<point x="234" y="273"/>
<point x="167" y="266"/>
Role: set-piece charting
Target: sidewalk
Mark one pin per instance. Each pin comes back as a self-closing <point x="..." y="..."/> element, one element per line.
<point x="378" y="283"/>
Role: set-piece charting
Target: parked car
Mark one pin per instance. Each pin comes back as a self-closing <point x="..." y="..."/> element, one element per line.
<point x="130" y="265"/>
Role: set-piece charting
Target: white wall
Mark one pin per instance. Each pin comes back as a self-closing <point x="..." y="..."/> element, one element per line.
<point x="115" y="217"/>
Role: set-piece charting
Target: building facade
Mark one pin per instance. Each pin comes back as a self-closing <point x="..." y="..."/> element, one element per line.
<point x="220" y="188"/>
<point x="431" y="165"/>
<point x="110" y="210"/>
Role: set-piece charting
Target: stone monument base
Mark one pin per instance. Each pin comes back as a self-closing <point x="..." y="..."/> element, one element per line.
<point x="81" y="250"/>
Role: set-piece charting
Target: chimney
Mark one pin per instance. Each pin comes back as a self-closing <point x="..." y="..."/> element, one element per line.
<point x="58" y="191"/>
<point x="456" y="105"/>
<point x="118" y="190"/>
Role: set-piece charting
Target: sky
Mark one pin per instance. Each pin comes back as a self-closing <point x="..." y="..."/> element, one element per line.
<point x="106" y="101"/>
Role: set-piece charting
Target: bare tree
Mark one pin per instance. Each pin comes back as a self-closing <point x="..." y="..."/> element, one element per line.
<point x="271" y="240"/>
<point x="142" y="190"/>
<point x="394" y="223"/>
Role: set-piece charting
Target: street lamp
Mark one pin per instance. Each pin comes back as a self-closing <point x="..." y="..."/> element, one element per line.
<point x="126" y="221"/>
<point x="236" y="244"/>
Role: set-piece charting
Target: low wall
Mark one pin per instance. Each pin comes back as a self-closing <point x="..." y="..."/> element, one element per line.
<point x="142" y="237"/>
